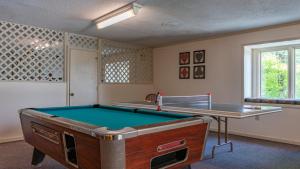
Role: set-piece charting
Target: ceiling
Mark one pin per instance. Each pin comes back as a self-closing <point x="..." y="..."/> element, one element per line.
<point x="160" y="22"/>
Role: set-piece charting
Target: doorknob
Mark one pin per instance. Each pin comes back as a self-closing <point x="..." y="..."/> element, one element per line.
<point x="72" y="94"/>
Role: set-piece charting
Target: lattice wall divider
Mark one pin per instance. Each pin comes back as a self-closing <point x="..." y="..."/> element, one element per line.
<point x="83" y="41"/>
<point x="123" y="63"/>
<point x="29" y="53"/>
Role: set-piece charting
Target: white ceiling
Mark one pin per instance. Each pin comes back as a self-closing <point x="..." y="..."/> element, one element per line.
<point x="160" y="22"/>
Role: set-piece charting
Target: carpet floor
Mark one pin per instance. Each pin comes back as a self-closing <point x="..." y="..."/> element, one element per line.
<point x="248" y="153"/>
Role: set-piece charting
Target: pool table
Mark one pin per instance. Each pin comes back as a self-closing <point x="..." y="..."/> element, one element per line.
<point x="111" y="137"/>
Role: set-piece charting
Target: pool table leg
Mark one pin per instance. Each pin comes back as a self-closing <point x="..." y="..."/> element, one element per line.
<point x="37" y="157"/>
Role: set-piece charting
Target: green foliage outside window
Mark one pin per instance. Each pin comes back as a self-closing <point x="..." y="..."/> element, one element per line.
<point x="274" y="74"/>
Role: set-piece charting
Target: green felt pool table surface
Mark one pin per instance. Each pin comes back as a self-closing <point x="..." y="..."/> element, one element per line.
<point x="112" y="117"/>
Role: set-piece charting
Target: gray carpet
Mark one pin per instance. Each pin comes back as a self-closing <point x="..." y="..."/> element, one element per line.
<point x="248" y="154"/>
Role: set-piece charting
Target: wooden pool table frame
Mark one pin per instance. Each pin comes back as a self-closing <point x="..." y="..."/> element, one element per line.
<point x="100" y="148"/>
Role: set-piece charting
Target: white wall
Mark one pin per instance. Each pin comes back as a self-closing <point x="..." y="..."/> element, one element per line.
<point x="114" y="93"/>
<point x="224" y="78"/>
<point x="17" y="95"/>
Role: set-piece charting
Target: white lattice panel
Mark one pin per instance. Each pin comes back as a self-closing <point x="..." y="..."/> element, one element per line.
<point x="30" y="53"/>
<point x="121" y="63"/>
<point x="82" y="41"/>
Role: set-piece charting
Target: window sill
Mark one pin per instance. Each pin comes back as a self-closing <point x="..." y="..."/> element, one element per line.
<point x="286" y="103"/>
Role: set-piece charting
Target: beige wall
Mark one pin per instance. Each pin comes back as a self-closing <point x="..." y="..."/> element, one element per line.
<point x="17" y="95"/>
<point x="114" y="93"/>
<point x="224" y="79"/>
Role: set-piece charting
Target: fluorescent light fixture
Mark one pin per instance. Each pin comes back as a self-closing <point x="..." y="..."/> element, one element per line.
<point x="118" y="15"/>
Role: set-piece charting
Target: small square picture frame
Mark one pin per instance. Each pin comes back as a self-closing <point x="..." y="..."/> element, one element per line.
<point x="199" y="56"/>
<point x="184" y="72"/>
<point x="184" y="58"/>
<point x="199" y="72"/>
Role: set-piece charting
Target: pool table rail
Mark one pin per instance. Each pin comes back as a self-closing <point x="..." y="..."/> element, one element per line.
<point x="106" y="134"/>
<point x="60" y="121"/>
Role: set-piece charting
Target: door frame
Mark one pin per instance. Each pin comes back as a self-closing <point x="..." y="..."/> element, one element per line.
<point x="68" y="71"/>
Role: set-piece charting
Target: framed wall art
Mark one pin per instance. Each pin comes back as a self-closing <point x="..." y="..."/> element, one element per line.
<point x="184" y="58"/>
<point x="199" y="56"/>
<point x="199" y="72"/>
<point x="184" y="72"/>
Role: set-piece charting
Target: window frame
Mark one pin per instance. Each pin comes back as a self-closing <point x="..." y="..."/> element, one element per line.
<point x="256" y="69"/>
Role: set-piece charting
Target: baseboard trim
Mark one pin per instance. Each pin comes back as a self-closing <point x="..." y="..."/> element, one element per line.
<point x="279" y="140"/>
<point x="12" y="139"/>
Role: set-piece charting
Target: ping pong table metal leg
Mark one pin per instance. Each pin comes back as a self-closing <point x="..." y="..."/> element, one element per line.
<point x="226" y="141"/>
<point x="189" y="167"/>
<point x="219" y="130"/>
<point x="226" y="135"/>
<point x="226" y="130"/>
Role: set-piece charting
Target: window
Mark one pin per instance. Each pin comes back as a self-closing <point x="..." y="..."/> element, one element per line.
<point x="272" y="71"/>
<point x="297" y="70"/>
<point x="274" y="74"/>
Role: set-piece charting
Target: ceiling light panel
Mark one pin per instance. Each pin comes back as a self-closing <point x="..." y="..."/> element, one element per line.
<point x="118" y="15"/>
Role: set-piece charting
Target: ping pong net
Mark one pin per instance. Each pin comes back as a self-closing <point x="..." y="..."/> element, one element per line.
<point x="184" y="100"/>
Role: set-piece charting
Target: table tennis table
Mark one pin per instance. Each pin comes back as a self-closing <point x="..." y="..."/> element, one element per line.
<point x="201" y="105"/>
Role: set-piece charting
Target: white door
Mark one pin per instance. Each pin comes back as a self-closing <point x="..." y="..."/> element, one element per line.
<point x="83" y="77"/>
